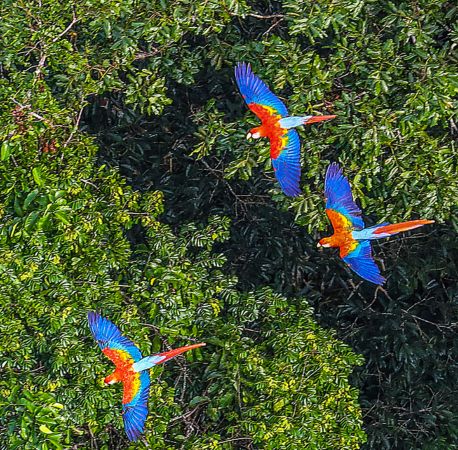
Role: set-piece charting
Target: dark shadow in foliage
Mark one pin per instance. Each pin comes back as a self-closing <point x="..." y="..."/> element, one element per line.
<point x="406" y="331"/>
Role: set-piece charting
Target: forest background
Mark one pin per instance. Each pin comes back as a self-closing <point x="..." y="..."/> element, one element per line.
<point x="127" y="186"/>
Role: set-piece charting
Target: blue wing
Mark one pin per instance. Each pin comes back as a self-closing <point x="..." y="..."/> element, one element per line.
<point x="110" y="339"/>
<point x="136" y="411"/>
<point x="339" y="197"/>
<point x="287" y="165"/>
<point x="360" y="261"/>
<point x="254" y="90"/>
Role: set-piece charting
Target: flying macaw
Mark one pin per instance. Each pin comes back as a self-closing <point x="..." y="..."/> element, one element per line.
<point x="350" y="235"/>
<point x="276" y="125"/>
<point x="131" y="370"/>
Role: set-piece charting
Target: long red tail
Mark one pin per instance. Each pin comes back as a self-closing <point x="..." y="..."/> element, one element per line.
<point x="176" y="351"/>
<point x="394" y="228"/>
<point x="315" y="119"/>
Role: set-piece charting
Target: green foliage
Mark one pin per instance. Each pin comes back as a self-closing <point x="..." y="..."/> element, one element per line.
<point x="75" y="237"/>
<point x="161" y="260"/>
<point x="171" y="289"/>
<point x="39" y="419"/>
<point x="287" y="382"/>
<point x="409" y="386"/>
<point x="389" y="72"/>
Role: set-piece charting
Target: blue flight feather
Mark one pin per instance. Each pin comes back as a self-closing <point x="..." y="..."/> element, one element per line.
<point x="339" y="196"/>
<point x="287" y="165"/>
<point x="360" y="261"/>
<point x="254" y="90"/>
<point x="107" y="335"/>
<point x="134" y="413"/>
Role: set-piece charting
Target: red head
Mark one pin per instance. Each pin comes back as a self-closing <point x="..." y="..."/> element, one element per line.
<point x="112" y="378"/>
<point x="326" y="242"/>
<point x="255" y="133"/>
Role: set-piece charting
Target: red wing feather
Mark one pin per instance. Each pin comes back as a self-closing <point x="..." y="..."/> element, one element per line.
<point x="119" y="358"/>
<point x="267" y="115"/>
<point x="340" y="223"/>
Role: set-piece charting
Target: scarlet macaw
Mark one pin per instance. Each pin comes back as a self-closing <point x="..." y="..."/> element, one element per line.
<point x="277" y="126"/>
<point x="350" y="235"/>
<point x="131" y="370"/>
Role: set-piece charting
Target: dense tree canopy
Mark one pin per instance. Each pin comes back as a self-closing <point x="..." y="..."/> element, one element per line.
<point x="127" y="186"/>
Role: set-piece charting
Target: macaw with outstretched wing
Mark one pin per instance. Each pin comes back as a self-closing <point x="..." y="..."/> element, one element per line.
<point x="131" y="370"/>
<point x="277" y="125"/>
<point x="350" y="235"/>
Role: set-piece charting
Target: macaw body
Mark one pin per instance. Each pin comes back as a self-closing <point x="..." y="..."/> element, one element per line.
<point x="350" y="234"/>
<point x="277" y="125"/>
<point x="131" y="370"/>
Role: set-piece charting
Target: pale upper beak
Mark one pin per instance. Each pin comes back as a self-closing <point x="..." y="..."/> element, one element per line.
<point x="249" y="135"/>
<point x="319" y="245"/>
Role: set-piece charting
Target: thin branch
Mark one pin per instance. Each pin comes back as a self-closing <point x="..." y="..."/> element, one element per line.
<point x="75" y="20"/>
<point x="439" y="326"/>
<point x="31" y="113"/>
<point x="78" y="119"/>
<point x="144" y="55"/>
<point x="41" y="63"/>
<point x="275" y="24"/>
<point x="260" y="16"/>
<point x="186" y="415"/>
<point x="89" y="182"/>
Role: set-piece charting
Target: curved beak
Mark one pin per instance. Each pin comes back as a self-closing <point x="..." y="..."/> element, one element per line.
<point x="110" y="379"/>
<point x="315" y="119"/>
<point x="318" y="245"/>
<point x="249" y="135"/>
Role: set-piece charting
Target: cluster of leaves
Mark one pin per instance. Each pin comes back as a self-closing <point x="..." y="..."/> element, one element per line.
<point x="389" y="71"/>
<point x="75" y="237"/>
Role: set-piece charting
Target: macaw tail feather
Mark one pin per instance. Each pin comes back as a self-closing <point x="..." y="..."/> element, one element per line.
<point x="295" y="121"/>
<point x="395" y="228"/>
<point x="315" y="119"/>
<point x="177" y="351"/>
<point x="149" y="361"/>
